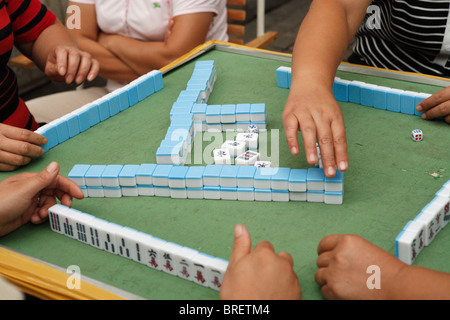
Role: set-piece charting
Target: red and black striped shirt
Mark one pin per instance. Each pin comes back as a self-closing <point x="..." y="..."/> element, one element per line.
<point x="21" y="21"/>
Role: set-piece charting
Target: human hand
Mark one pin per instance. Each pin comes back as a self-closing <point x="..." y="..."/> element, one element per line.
<point x="26" y="197"/>
<point x="343" y="268"/>
<point x="258" y="274"/>
<point x="18" y="146"/>
<point x="169" y="29"/>
<point x="70" y="64"/>
<point x="438" y="105"/>
<point x="319" y="118"/>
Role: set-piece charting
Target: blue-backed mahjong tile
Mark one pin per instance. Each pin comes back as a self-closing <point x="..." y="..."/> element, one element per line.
<point x="93" y="113"/>
<point x="297" y="180"/>
<point x="340" y="89"/>
<point x="83" y="120"/>
<point x="114" y="104"/>
<point x="73" y="124"/>
<point x="158" y="80"/>
<point x="243" y="112"/>
<point x="354" y="91"/>
<point x="133" y="97"/>
<point x="280" y="178"/>
<point x="78" y="172"/>
<point x="282" y="77"/>
<point x="123" y="99"/>
<point x="62" y="129"/>
<point x="407" y="102"/>
<point x="228" y="113"/>
<point x="144" y="175"/>
<point x="367" y="94"/>
<point x="211" y="175"/>
<point x="103" y="109"/>
<point x="380" y="97"/>
<point x="228" y="176"/>
<point x="418" y="99"/>
<point x="393" y="98"/>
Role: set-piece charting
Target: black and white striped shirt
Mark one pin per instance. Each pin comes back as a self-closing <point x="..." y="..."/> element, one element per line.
<point x="411" y="35"/>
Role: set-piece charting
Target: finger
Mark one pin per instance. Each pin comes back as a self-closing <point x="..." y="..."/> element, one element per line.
<point x="447" y="119"/>
<point x="242" y="244"/>
<point x="24" y="135"/>
<point x="72" y="63"/>
<point x="7" y="167"/>
<point x="21" y="148"/>
<point x="291" y="130"/>
<point x="340" y="143"/>
<point x="83" y="68"/>
<point x="264" y="245"/>
<point x="320" y="277"/>
<point x="441" y="110"/>
<point x="61" y="60"/>
<point x="328" y="243"/>
<point x="13" y="160"/>
<point x="434" y="100"/>
<point x="286" y="256"/>
<point x="309" y="133"/>
<point x="40" y="181"/>
<point x="95" y="69"/>
<point x="323" y="260"/>
<point x="326" y="144"/>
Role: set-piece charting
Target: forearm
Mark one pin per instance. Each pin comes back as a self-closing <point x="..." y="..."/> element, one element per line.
<point x="142" y="56"/>
<point x="323" y="40"/>
<point x="53" y="36"/>
<point x="111" y="67"/>
<point x="418" y="283"/>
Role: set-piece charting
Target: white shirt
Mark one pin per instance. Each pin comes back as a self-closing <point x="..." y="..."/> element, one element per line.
<point x="147" y="20"/>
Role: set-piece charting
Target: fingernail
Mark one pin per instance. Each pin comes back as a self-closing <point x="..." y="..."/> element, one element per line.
<point x="312" y="158"/>
<point x="342" y="165"/>
<point x="62" y="71"/>
<point x="424" y="116"/>
<point x="52" y="167"/>
<point x="419" y="108"/>
<point x="238" y="230"/>
<point x="331" y="171"/>
<point x="294" y="150"/>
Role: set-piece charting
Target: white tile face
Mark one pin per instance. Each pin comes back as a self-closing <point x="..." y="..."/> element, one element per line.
<point x="217" y="270"/>
<point x="183" y="262"/>
<point x="222" y="156"/>
<point x="126" y="241"/>
<point x="405" y="247"/>
<point x="168" y="254"/>
<point x="201" y="263"/>
<point x="152" y="251"/>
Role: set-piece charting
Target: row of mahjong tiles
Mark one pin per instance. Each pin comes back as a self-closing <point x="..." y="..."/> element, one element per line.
<point x="422" y="230"/>
<point x="366" y="94"/>
<point x="156" y="253"/>
<point x="227" y="182"/>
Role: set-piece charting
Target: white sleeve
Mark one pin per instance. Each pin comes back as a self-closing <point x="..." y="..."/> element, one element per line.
<point x="181" y="7"/>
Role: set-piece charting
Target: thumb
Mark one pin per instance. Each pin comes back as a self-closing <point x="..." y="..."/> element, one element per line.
<point x="42" y="180"/>
<point x="242" y="243"/>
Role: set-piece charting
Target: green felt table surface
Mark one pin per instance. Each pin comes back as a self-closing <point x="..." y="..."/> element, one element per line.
<point x="390" y="179"/>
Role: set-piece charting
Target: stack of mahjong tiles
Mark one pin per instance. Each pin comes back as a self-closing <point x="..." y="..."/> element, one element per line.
<point x="89" y="115"/>
<point x="421" y="231"/>
<point x="215" y="182"/>
<point x="366" y="94"/>
<point x="158" y="254"/>
<point x="190" y="114"/>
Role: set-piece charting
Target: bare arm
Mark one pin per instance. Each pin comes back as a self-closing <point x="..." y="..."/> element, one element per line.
<point x="321" y="43"/>
<point x="343" y="262"/>
<point x="56" y="53"/>
<point x="188" y="32"/>
<point x="111" y="67"/>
